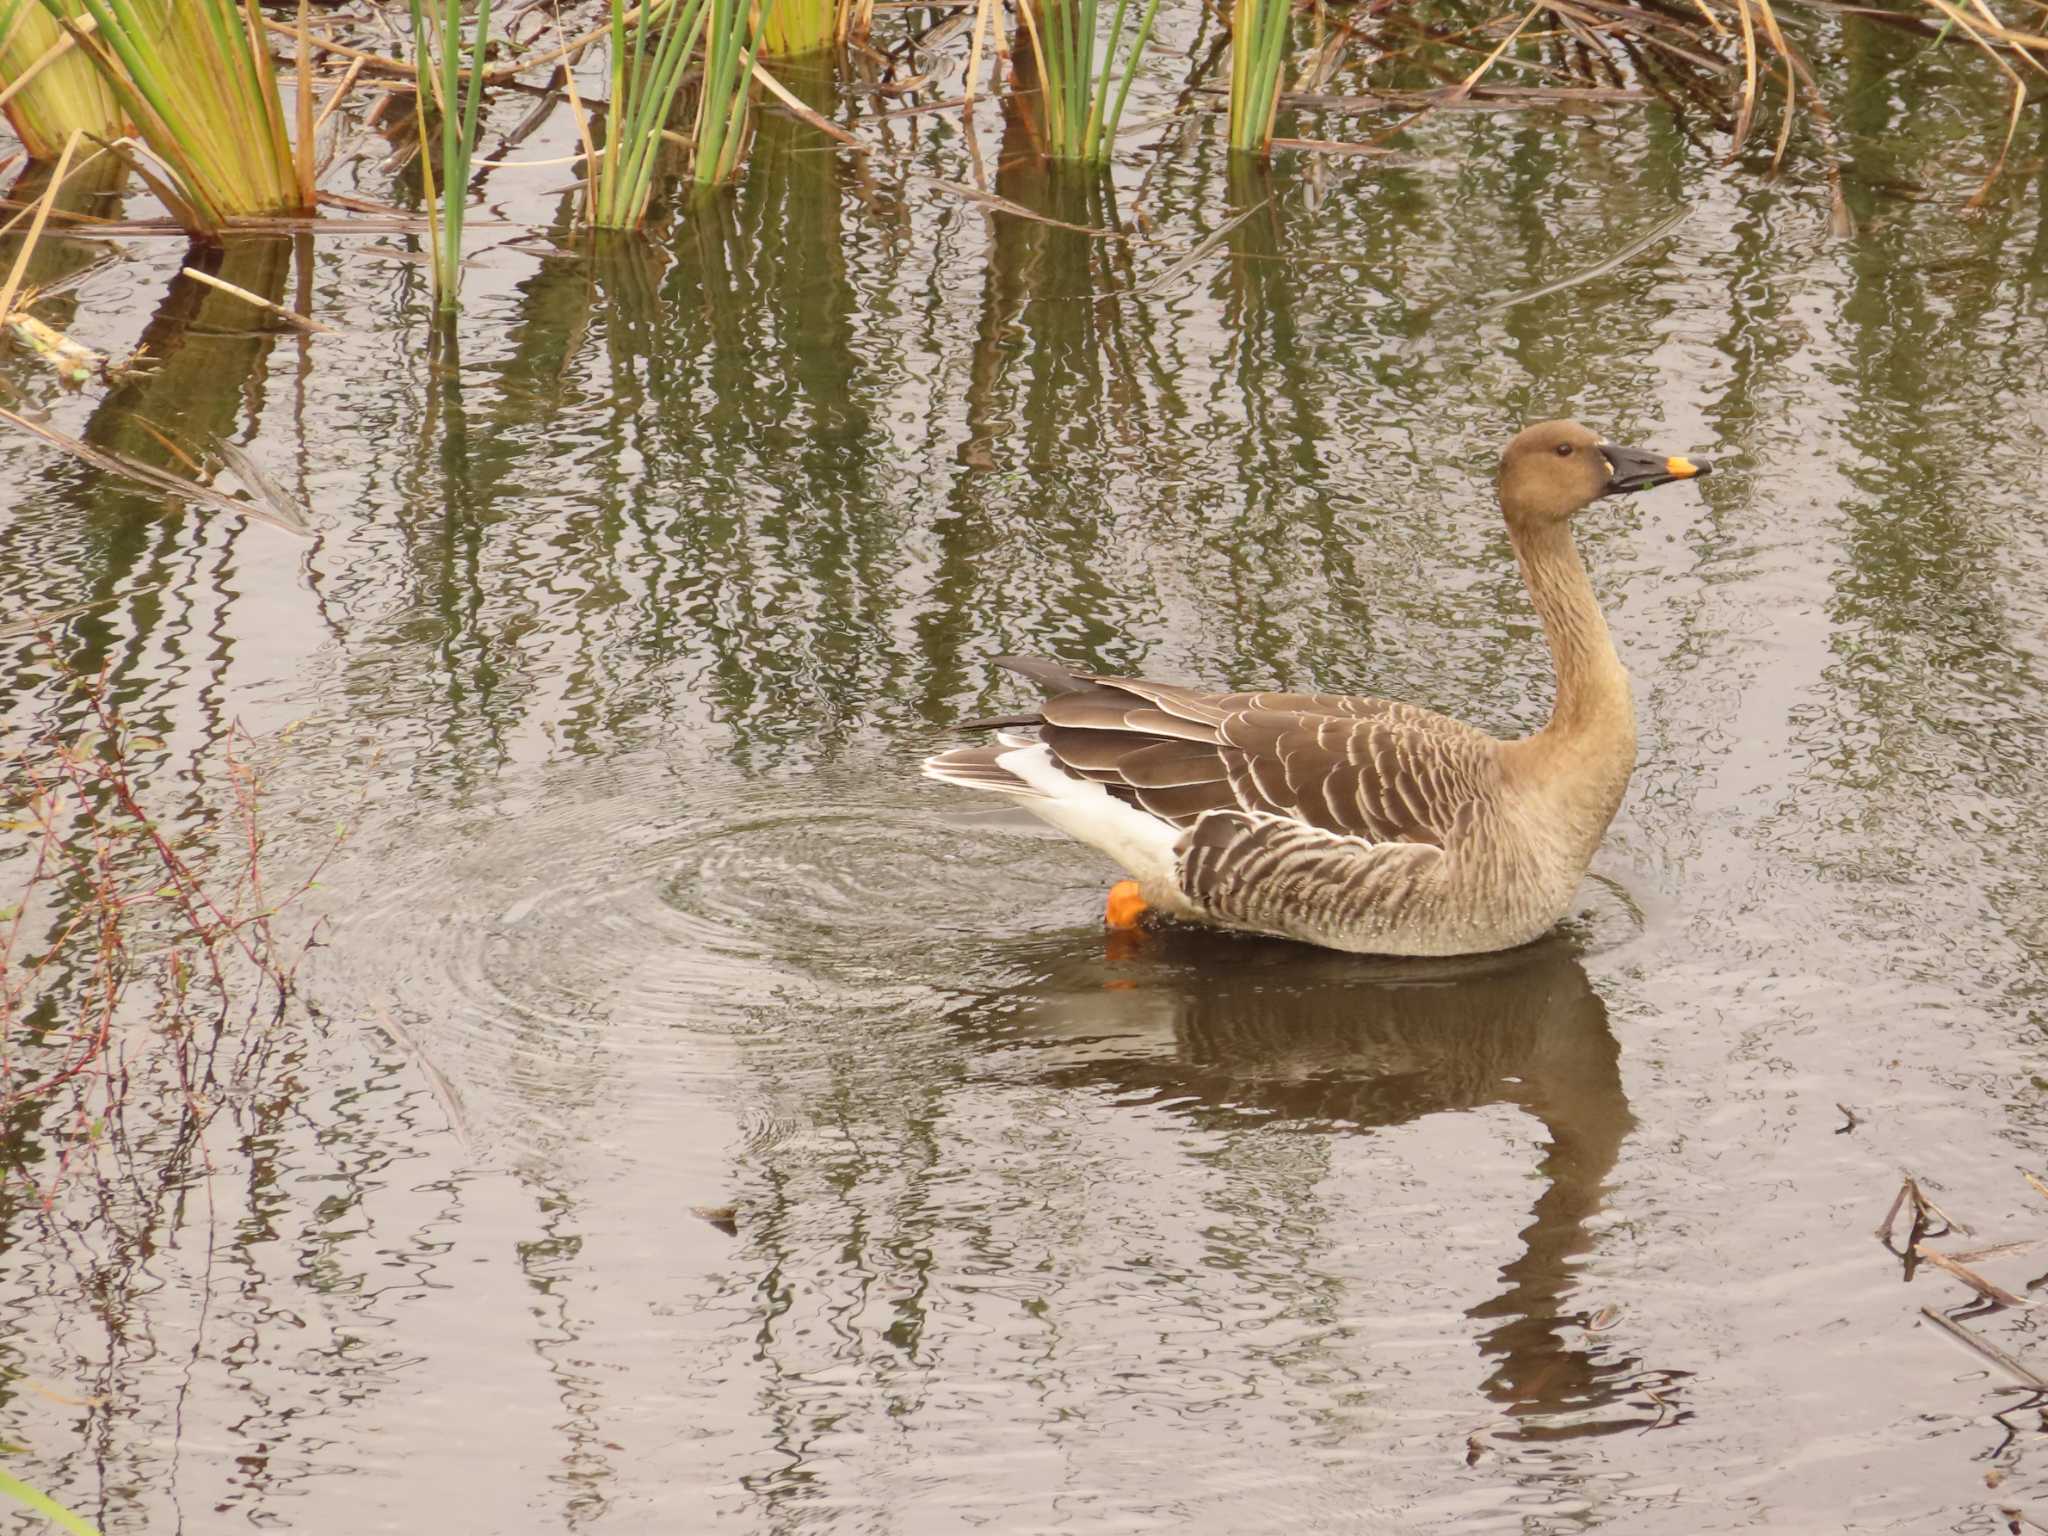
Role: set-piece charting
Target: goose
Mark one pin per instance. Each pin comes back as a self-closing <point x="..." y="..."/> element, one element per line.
<point x="1357" y="824"/>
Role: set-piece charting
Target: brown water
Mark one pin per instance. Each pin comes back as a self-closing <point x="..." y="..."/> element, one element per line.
<point x="623" y="631"/>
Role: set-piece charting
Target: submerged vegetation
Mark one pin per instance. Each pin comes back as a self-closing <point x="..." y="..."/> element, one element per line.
<point x="129" y="951"/>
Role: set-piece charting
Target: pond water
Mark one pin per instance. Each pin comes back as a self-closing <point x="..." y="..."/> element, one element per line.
<point x="626" y="621"/>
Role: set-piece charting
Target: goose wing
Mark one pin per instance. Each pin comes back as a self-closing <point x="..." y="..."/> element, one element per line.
<point x="1367" y="771"/>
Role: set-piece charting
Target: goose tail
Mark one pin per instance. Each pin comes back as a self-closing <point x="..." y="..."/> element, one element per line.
<point x="983" y="768"/>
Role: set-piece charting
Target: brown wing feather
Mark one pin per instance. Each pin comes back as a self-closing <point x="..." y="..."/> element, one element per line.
<point x="1353" y="767"/>
<point x="1279" y="876"/>
<point x="1185" y="803"/>
<point x="1170" y="764"/>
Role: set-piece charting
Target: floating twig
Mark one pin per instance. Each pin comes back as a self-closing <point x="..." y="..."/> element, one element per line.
<point x="1015" y="210"/>
<point x="1997" y="1250"/>
<point x="1333" y="147"/>
<point x="288" y="517"/>
<point x="37" y="621"/>
<point x="437" y="1080"/>
<point x="803" y="113"/>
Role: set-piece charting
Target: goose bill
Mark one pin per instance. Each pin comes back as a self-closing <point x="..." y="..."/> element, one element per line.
<point x="1637" y="469"/>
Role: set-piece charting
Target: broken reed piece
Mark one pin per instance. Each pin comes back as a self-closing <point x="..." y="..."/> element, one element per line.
<point x="1989" y="1290"/>
<point x="2025" y="1376"/>
<point x="1998" y="1250"/>
<point x="289" y="316"/>
<point x="74" y="362"/>
<point x="1923" y="1208"/>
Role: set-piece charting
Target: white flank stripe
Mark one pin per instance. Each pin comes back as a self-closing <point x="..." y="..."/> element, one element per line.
<point x="1088" y="813"/>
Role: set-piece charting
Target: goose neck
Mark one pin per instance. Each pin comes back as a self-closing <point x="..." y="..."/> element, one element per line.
<point x="1592" y="687"/>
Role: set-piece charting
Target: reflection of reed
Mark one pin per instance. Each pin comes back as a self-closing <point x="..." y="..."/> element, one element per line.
<point x="745" y="360"/>
<point x="199" y="365"/>
<point x="1271" y="375"/>
<point x="1062" y="392"/>
<point x="200" y="361"/>
<point x="1927" y="636"/>
<point x="93" y="186"/>
<point x="1314" y="1040"/>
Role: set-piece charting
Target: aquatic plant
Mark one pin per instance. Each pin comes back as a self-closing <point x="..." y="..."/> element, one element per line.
<point x="1079" y="118"/>
<point x="1258" y="49"/>
<point x="732" y="39"/>
<point x="645" y="82"/>
<point x="196" y="80"/>
<point x="452" y="95"/>
<point x="800" y="27"/>
<point x="51" y="89"/>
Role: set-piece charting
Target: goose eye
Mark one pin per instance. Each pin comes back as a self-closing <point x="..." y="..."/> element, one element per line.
<point x="1564" y="450"/>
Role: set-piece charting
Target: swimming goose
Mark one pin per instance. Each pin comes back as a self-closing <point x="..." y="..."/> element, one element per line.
<point x="1355" y="823"/>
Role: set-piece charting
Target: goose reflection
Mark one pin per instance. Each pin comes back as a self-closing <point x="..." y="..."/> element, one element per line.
<point x="1223" y="1029"/>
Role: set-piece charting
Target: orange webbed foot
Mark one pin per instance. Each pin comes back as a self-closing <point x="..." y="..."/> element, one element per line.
<point x="1125" y="906"/>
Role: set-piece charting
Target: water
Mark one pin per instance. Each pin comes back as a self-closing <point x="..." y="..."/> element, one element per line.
<point x="626" y="623"/>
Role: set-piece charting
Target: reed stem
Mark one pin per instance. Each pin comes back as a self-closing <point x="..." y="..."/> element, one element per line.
<point x="645" y="80"/>
<point x="455" y="98"/>
<point x="732" y="40"/>
<point x="51" y="87"/>
<point x="1258" y="50"/>
<point x="196" y="79"/>
<point x="1080" y="114"/>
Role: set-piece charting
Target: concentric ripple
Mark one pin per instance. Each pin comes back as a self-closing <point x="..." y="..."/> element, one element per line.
<point x="609" y="949"/>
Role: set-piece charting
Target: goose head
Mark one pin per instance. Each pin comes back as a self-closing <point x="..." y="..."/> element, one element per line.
<point x="1555" y="469"/>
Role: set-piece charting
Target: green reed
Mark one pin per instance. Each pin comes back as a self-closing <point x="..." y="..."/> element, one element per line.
<point x="195" y="78"/>
<point x="645" y="82"/>
<point x="455" y="95"/>
<point x="50" y="87"/>
<point x="800" y="27"/>
<point x="1079" y="116"/>
<point x="1258" y="52"/>
<point x="732" y="40"/>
